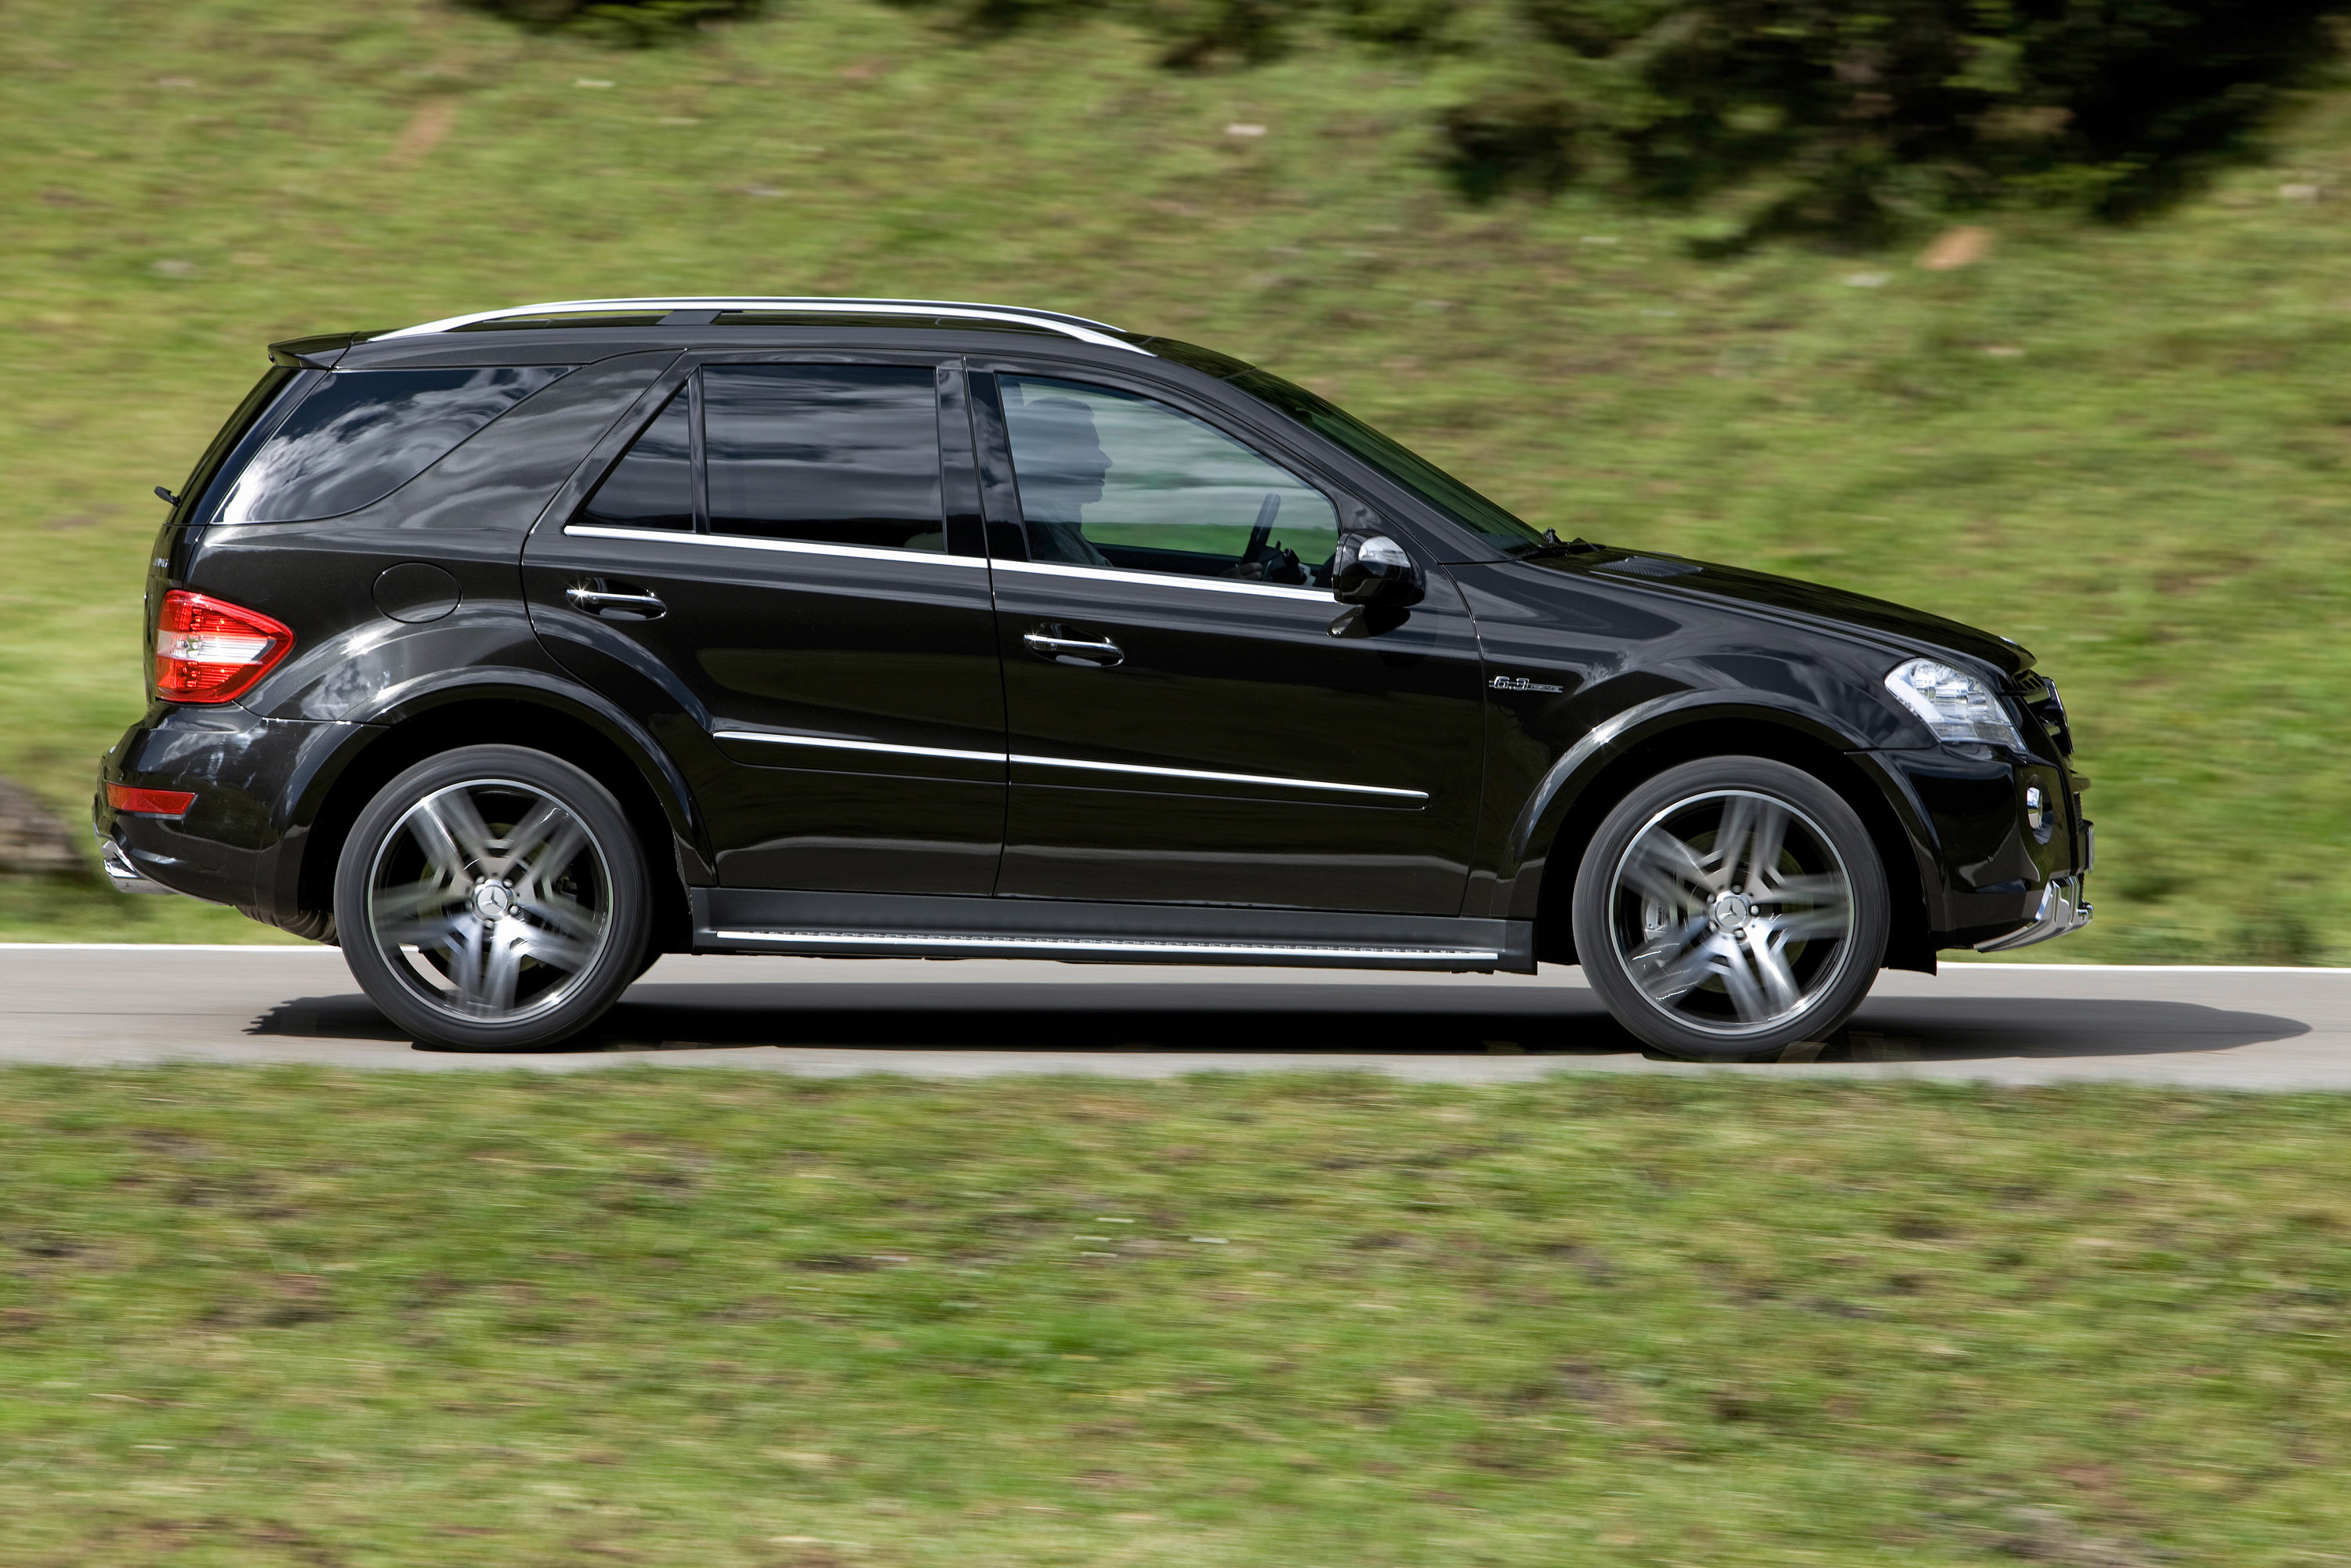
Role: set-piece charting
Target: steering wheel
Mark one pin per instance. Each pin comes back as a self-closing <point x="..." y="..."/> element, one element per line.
<point x="1261" y="530"/>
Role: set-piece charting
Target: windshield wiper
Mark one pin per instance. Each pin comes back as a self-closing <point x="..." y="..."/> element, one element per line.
<point x="1552" y="545"/>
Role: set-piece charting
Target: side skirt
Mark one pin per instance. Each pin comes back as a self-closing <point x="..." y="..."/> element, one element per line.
<point x="909" y="926"/>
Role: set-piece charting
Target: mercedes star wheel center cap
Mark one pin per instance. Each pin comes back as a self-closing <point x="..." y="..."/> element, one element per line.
<point x="492" y="901"/>
<point x="1731" y="912"/>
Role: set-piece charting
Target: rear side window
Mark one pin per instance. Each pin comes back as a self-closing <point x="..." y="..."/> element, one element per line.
<point x="244" y="432"/>
<point x="844" y="455"/>
<point x="362" y="435"/>
<point x="651" y="487"/>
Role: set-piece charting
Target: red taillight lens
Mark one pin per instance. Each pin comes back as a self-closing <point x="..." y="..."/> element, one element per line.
<point x="150" y="802"/>
<point x="209" y="651"/>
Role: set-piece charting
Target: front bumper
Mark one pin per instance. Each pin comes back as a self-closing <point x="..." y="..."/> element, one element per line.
<point x="1996" y="876"/>
<point x="2064" y="906"/>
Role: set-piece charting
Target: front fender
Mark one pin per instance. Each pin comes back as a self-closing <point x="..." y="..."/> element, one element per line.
<point x="1564" y="783"/>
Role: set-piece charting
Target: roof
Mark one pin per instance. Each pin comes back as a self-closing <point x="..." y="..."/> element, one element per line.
<point x="1077" y="327"/>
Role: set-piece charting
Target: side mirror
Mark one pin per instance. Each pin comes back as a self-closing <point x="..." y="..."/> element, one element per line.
<point x="1373" y="570"/>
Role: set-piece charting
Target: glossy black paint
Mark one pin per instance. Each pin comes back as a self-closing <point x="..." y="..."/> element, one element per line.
<point x="1520" y="697"/>
<point x="886" y="648"/>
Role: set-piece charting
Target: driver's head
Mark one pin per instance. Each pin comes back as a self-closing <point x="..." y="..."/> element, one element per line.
<point x="1061" y="457"/>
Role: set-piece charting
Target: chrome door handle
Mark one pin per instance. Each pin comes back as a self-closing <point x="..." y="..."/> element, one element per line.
<point x="596" y="601"/>
<point x="1075" y="650"/>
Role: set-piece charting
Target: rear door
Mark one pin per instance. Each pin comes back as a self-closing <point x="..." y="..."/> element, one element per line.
<point x="1192" y="717"/>
<point x="783" y="579"/>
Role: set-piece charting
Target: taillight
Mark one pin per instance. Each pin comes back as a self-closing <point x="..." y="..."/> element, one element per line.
<point x="209" y="651"/>
<point x="150" y="802"/>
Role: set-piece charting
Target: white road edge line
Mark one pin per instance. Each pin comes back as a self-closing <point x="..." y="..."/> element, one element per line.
<point x="1947" y="968"/>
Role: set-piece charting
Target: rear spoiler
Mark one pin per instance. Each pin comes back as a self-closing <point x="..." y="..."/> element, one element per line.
<point x="316" y="353"/>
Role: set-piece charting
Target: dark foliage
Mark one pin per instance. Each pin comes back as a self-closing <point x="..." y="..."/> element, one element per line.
<point x="633" y="23"/>
<point x="1768" y="115"/>
<point x="1196" y="35"/>
<point x="1822" y="115"/>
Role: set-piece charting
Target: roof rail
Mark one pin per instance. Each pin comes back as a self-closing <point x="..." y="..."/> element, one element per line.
<point x="1077" y="327"/>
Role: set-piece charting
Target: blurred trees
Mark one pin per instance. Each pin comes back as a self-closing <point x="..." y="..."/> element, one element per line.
<point x="634" y="23"/>
<point x="1828" y="115"/>
<point x="1848" y="117"/>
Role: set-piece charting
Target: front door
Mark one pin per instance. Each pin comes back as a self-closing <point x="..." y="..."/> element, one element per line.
<point x="1190" y="718"/>
<point x="783" y="579"/>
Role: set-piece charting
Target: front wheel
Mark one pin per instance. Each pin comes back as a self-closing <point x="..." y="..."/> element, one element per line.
<point x="493" y="898"/>
<point x="1730" y="907"/>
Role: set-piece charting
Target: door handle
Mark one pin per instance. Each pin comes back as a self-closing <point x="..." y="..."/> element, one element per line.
<point x="1075" y="650"/>
<point x="597" y="602"/>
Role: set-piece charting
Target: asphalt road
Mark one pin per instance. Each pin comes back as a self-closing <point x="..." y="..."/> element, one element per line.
<point x="2214" y="1028"/>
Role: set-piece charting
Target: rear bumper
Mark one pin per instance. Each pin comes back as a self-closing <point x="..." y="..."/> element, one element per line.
<point x="125" y="876"/>
<point x="240" y="841"/>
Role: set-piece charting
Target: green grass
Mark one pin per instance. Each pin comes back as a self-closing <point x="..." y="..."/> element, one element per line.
<point x="2127" y="449"/>
<point x="720" y="1319"/>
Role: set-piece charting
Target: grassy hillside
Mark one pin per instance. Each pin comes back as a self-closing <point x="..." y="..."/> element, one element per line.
<point x="699" y="1320"/>
<point x="2126" y="449"/>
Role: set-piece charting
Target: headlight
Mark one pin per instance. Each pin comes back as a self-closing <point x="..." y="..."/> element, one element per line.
<point x="1956" y="707"/>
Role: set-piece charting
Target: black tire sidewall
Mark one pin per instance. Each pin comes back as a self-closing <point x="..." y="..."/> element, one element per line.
<point x="1595" y="946"/>
<point x="614" y="967"/>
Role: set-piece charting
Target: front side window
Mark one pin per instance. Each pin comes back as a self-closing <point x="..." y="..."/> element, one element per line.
<point x="845" y="455"/>
<point x="362" y="435"/>
<point x="1108" y="478"/>
<point x="1398" y="462"/>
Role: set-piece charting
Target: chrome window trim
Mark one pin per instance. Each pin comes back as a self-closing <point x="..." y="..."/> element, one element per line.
<point x="1165" y="579"/>
<point x="789" y="546"/>
<point x="1222" y="778"/>
<point x="1085" y="332"/>
<point x="1104" y="945"/>
<point x="833" y="743"/>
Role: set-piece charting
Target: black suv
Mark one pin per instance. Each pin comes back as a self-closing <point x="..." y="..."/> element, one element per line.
<point x="514" y="650"/>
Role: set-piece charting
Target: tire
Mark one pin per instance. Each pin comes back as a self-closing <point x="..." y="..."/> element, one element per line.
<point x="493" y="898"/>
<point x="1682" y="948"/>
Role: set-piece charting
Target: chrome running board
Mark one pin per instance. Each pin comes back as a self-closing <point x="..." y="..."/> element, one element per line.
<point x="910" y="925"/>
<point x="920" y="944"/>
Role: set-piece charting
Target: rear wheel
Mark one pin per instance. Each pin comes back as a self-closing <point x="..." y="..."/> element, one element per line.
<point x="493" y="898"/>
<point x="1730" y="907"/>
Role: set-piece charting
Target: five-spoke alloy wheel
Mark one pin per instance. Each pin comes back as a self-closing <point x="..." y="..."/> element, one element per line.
<point x="493" y="898"/>
<point x="1728" y="908"/>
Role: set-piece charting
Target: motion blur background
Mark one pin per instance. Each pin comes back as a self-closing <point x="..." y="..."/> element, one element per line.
<point x="2036" y="323"/>
<point x="2029" y="314"/>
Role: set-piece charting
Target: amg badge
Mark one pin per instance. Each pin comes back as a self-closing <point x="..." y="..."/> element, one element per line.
<point x="1519" y="683"/>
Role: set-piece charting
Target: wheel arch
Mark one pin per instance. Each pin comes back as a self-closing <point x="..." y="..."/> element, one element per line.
<point x="1560" y="825"/>
<point x="656" y="797"/>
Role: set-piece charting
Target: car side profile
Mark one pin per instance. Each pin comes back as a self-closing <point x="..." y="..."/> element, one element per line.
<point x="513" y="651"/>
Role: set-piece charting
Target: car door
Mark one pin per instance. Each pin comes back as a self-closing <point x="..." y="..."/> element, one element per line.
<point x="1191" y="716"/>
<point x="782" y="578"/>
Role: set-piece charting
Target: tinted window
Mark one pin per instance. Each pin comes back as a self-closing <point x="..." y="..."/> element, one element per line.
<point x="652" y="486"/>
<point x="1399" y="463"/>
<point x="1108" y="478"/>
<point x="362" y="435"/>
<point x="245" y="430"/>
<point x="831" y="453"/>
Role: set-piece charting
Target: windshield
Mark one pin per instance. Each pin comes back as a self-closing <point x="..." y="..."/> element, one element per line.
<point x="1408" y="468"/>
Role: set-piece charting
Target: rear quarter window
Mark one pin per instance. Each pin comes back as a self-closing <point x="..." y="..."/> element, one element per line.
<point x="362" y="435"/>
